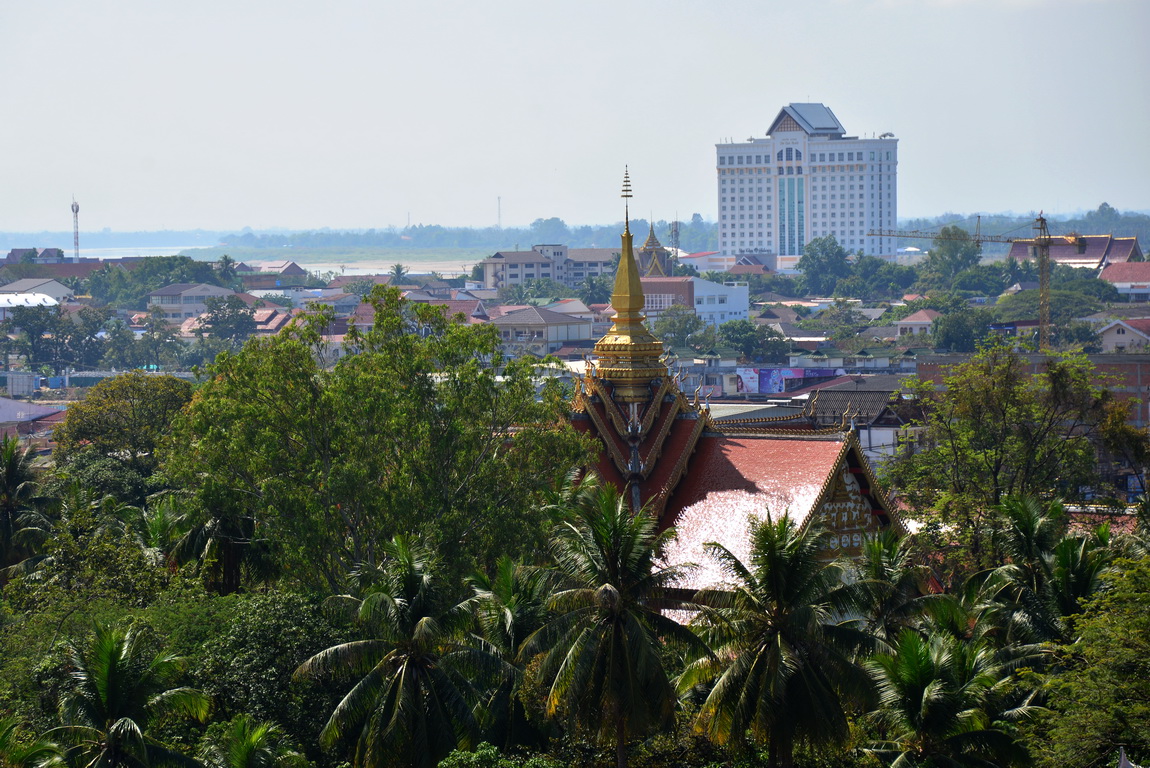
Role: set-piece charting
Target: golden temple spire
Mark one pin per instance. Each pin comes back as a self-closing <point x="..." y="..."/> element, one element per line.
<point x="629" y="356"/>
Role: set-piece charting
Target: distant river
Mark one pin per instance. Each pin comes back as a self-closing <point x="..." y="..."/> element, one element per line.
<point x="360" y="262"/>
<point x="128" y="251"/>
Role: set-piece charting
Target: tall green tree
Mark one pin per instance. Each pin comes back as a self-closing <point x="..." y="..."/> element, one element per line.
<point x="229" y="318"/>
<point x="21" y="750"/>
<point x="432" y="431"/>
<point x="412" y="702"/>
<point x="398" y="274"/>
<point x="1101" y="700"/>
<point x="119" y="686"/>
<point x="157" y="345"/>
<point x="998" y="428"/>
<point x="893" y="586"/>
<point x="823" y="264"/>
<point x="509" y="606"/>
<point x="603" y="666"/>
<point x="952" y="251"/>
<point x="676" y="324"/>
<point x="42" y="332"/>
<point x="754" y="341"/>
<point x="125" y="417"/>
<point x="783" y="668"/>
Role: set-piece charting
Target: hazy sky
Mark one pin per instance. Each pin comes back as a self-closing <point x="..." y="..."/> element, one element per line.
<point x="358" y="113"/>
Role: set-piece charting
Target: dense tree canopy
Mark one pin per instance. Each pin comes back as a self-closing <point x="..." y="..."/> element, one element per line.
<point x="431" y="431"/>
<point x="823" y="264"/>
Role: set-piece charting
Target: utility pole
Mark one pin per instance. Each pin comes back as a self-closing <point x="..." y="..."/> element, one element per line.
<point x="75" y="229"/>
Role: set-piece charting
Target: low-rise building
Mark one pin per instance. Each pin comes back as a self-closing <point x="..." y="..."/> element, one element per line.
<point x="45" y="286"/>
<point x="918" y="323"/>
<point x="1132" y="335"/>
<point x="570" y="266"/>
<point x="183" y="300"/>
<point x="540" y="331"/>
<point x="714" y="303"/>
<point x="1130" y="278"/>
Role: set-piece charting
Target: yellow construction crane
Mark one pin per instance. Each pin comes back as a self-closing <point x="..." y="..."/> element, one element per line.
<point x="1042" y="252"/>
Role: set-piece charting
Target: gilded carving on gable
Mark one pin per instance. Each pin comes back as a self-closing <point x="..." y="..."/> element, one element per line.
<point x="847" y="516"/>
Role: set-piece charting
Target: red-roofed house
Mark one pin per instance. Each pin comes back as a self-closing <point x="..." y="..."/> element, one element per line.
<point x="1131" y="278"/>
<point x="1130" y="335"/>
<point x="918" y="323"/>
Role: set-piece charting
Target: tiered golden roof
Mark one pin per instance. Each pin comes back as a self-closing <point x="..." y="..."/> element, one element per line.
<point x="629" y="356"/>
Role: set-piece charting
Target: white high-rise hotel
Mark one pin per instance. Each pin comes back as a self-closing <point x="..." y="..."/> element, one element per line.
<point x="806" y="179"/>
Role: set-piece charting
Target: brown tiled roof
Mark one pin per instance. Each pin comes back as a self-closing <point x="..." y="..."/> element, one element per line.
<point x="536" y="316"/>
<point x="1127" y="272"/>
<point x="921" y="316"/>
<point x="500" y="310"/>
<point x="518" y="257"/>
<point x="592" y="254"/>
<point x="1140" y="324"/>
<point x="472" y="309"/>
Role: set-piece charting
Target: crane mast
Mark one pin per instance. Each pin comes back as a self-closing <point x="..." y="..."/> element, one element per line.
<point x="1042" y="248"/>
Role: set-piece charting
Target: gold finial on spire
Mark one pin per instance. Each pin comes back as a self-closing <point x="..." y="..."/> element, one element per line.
<point x="629" y="356"/>
<point x="626" y="195"/>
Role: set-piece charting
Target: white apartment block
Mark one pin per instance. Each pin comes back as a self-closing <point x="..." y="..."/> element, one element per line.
<point x="805" y="179"/>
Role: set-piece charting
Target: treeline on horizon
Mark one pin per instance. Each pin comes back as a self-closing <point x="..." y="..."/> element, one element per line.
<point x="695" y="234"/>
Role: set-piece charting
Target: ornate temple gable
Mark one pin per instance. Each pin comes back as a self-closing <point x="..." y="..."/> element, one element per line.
<point x="630" y="401"/>
<point x="812" y="477"/>
<point x="851" y="506"/>
<point x="653" y="257"/>
<point x="847" y="516"/>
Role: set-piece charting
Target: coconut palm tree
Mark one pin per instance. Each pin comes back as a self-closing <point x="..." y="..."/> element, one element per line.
<point x="509" y="606"/>
<point x="412" y="702"/>
<point x="602" y="661"/>
<point x="942" y="702"/>
<point x="1049" y="573"/>
<point x="226" y="541"/>
<point x="17" y="488"/>
<point x="118" y="687"/>
<point x="247" y="743"/>
<point x="18" y="750"/>
<point x="783" y="667"/>
<point x="892" y="587"/>
<point x="398" y="273"/>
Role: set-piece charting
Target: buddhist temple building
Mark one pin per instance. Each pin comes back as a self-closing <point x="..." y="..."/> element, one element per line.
<point x="654" y="259"/>
<point x="706" y="476"/>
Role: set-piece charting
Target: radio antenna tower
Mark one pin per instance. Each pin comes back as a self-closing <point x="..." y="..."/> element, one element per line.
<point x="75" y="229"/>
